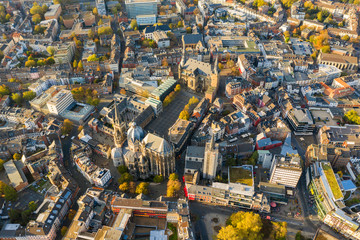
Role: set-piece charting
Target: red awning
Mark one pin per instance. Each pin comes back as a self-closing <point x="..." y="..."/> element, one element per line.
<point x="273" y="204"/>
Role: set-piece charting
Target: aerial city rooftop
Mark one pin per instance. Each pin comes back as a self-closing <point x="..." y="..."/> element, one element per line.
<point x="179" y="119"/>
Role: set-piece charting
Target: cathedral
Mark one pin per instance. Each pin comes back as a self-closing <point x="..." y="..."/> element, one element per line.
<point x="147" y="155"/>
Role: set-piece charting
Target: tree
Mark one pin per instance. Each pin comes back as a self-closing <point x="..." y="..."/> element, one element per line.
<point x="177" y="88"/>
<point x="158" y="178"/>
<point x="50" y="50"/>
<point x="92" y="58"/>
<point x="16" y="97"/>
<point x="221" y="66"/>
<point x="142" y="188"/>
<point x="105" y="31"/>
<point x="299" y="236"/>
<point x="196" y="11"/>
<point x="123" y="91"/>
<point x="133" y="24"/>
<point x="100" y="22"/>
<point x="2" y="187"/>
<point x="80" y="128"/>
<point x="80" y="66"/>
<point x="91" y="34"/>
<point x="71" y="214"/>
<point x="173" y="177"/>
<point x="242" y="226"/>
<point x="279" y="230"/>
<point x="193" y="100"/>
<point x="325" y="49"/>
<point x="15" y="215"/>
<point x="1" y="164"/>
<point x="67" y="126"/>
<point x="184" y="115"/>
<point x="230" y="64"/>
<point x="4" y="90"/>
<point x="10" y="193"/>
<point x="180" y="24"/>
<point x="75" y="64"/>
<point x="36" y="18"/>
<point x="29" y="95"/>
<point x="30" y="63"/>
<point x="95" y="11"/>
<point x="36" y="9"/>
<point x="124" y="187"/>
<point x="64" y="230"/>
<point x="32" y="206"/>
<point x="56" y="2"/>
<point x="173" y="187"/>
<point x="188" y="30"/>
<point x="164" y="62"/>
<point x="345" y="38"/>
<point x="122" y="169"/>
<point x="126" y="177"/>
<point x="114" y="10"/>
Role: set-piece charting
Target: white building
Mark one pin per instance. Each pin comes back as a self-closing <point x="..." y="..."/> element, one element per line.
<point x="100" y="5"/>
<point x="61" y="101"/>
<point x="212" y="159"/>
<point x="140" y="7"/>
<point x="286" y="171"/>
<point x="146" y="19"/>
<point x="155" y="104"/>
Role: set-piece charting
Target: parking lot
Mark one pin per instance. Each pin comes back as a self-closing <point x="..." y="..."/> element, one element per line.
<point x="169" y="115"/>
<point x="26" y="196"/>
<point x="322" y="118"/>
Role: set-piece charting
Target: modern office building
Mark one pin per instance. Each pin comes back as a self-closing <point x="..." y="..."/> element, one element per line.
<point x="60" y="102"/>
<point x="301" y="121"/>
<point x="140" y="7"/>
<point x="286" y="171"/>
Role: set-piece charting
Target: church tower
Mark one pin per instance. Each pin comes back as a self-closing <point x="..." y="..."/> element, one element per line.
<point x="119" y="127"/>
<point x="212" y="159"/>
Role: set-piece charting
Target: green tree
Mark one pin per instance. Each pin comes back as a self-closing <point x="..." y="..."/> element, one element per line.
<point x="122" y="169"/>
<point x="15" y="215"/>
<point x="142" y="188"/>
<point x="16" y="97"/>
<point x="126" y="177"/>
<point x="299" y="236"/>
<point x="29" y="95"/>
<point x="242" y="226"/>
<point x="124" y="187"/>
<point x="158" y="178"/>
<point x="10" y="193"/>
<point x="32" y="206"/>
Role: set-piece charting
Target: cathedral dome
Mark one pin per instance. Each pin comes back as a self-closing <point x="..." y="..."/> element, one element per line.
<point x="116" y="153"/>
<point x="135" y="133"/>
